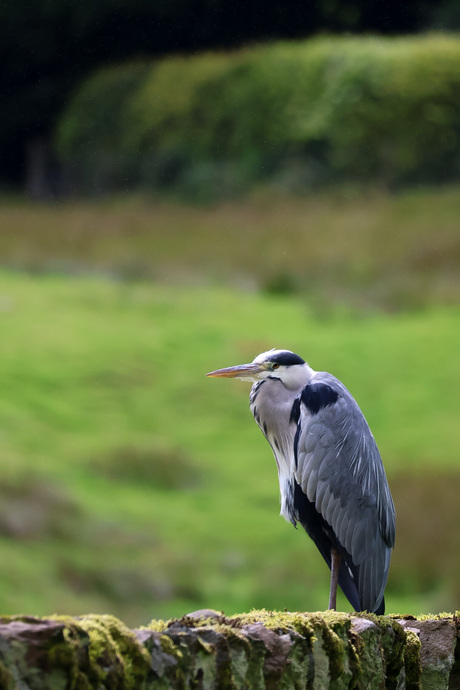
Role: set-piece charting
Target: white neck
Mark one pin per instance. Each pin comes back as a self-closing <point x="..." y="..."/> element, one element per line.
<point x="297" y="377"/>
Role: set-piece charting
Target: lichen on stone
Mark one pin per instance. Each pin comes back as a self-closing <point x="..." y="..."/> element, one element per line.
<point x="155" y="625"/>
<point x="168" y="647"/>
<point x="276" y="620"/>
<point x="412" y="660"/>
<point x="114" y="651"/>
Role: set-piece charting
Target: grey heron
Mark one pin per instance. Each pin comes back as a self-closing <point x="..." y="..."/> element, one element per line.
<point x="331" y="476"/>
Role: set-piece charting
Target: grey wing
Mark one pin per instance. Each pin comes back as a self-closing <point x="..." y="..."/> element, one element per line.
<point x="338" y="467"/>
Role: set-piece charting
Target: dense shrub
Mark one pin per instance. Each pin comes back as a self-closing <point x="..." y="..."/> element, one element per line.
<point x="383" y="110"/>
<point x="93" y="129"/>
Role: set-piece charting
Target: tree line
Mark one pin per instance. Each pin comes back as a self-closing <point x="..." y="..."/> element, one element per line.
<point x="48" y="46"/>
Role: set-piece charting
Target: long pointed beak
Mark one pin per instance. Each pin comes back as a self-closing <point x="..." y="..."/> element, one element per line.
<point x="242" y="371"/>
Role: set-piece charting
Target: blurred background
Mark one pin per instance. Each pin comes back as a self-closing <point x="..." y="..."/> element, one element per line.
<point x="182" y="186"/>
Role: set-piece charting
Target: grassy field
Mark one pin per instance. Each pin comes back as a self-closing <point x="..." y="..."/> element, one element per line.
<point x="342" y="250"/>
<point x="133" y="485"/>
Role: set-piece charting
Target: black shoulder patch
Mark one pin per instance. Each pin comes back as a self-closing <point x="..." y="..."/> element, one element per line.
<point x="285" y="358"/>
<point x="315" y="396"/>
<point x="295" y="412"/>
<point x="296" y="446"/>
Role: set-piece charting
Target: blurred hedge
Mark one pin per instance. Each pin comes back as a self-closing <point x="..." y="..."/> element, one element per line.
<point x="299" y="114"/>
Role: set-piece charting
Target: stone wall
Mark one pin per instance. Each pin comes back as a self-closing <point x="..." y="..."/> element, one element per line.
<point x="208" y="650"/>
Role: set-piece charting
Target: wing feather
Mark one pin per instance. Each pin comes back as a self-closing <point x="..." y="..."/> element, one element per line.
<point x="321" y="500"/>
<point x="340" y="470"/>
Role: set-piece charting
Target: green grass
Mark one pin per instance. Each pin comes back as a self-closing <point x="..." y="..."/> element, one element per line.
<point x="131" y="484"/>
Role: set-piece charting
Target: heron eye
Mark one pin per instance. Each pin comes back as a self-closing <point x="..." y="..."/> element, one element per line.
<point x="275" y="366"/>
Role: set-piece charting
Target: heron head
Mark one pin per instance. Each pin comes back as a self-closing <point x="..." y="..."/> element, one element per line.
<point x="283" y="365"/>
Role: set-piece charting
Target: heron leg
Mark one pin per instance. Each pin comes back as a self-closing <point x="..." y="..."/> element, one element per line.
<point x="336" y="558"/>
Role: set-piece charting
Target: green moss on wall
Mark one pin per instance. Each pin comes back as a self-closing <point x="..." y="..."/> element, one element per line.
<point x="260" y="649"/>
